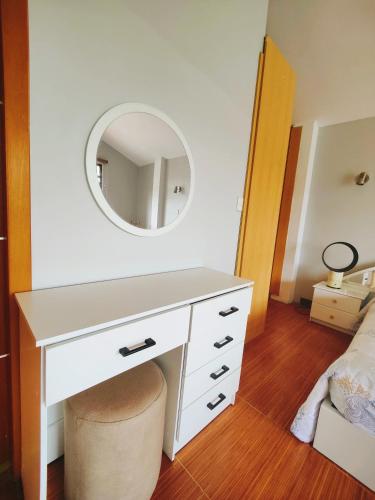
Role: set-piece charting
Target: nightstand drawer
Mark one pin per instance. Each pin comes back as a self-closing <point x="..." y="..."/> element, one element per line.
<point x="333" y="316"/>
<point x="334" y="300"/>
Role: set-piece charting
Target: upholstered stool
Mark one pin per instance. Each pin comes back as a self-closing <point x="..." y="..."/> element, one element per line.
<point x="114" y="437"/>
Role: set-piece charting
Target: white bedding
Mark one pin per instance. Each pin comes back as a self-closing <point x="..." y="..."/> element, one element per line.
<point x="350" y="382"/>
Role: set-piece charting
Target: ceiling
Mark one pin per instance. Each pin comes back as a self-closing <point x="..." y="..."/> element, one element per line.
<point x="331" y="46"/>
<point x="142" y="138"/>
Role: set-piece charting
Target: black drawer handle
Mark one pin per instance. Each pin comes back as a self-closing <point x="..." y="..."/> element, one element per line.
<point x="220" y="373"/>
<point x="220" y="399"/>
<point x="126" y="351"/>
<point x="229" y="311"/>
<point x="224" y="342"/>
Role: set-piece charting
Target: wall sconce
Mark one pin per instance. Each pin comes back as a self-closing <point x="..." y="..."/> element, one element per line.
<point x="362" y="178"/>
<point x="178" y="189"/>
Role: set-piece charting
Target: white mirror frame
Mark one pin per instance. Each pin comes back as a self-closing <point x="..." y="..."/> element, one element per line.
<point x="90" y="159"/>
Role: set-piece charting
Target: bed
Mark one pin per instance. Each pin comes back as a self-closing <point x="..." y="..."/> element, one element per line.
<point x="339" y="414"/>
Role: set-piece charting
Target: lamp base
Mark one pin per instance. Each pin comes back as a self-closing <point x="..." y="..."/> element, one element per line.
<point x="334" y="279"/>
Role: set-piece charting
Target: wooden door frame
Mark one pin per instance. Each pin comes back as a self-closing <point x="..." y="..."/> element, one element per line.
<point x="285" y="208"/>
<point x="15" y="43"/>
<point x="254" y="123"/>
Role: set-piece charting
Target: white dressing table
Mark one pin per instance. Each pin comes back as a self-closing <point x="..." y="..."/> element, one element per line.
<point x="192" y="322"/>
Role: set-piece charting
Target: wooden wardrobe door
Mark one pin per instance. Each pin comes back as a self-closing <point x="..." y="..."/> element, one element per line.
<point x="15" y="56"/>
<point x="4" y="332"/>
<point x="264" y="185"/>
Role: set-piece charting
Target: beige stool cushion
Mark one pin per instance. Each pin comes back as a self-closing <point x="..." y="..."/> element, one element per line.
<point x="114" y="437"/>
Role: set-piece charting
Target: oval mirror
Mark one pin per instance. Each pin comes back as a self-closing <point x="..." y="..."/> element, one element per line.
<point x="139" y="169"/>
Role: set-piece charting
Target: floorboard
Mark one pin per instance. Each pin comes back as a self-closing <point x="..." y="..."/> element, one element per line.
<point x="281" y="366"/>
<point x="248" y="452"/>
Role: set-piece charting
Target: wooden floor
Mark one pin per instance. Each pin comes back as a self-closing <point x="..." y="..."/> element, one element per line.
<point x="248" y="452"/>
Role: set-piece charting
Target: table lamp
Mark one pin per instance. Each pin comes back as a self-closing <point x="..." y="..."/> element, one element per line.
<point x="331" y="260"/>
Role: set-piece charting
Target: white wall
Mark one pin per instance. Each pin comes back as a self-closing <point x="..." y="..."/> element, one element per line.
<point x="177" y="174"/>
<point x="162" y="191"/>
<point x="330" y="45"/>
<point x="339" y="210"/>
<point x="301" y="194"/>
<point x="144" y="192"/>
<point x="119" y="181"/>
<point x="197" y="62"/>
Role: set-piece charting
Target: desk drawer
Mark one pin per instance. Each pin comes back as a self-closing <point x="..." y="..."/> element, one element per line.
<point x="75" y="365"/>
<point x="213" y="373"/>
<point x="220" y="316"/>
<point x="199" y="414"/>
<point x="337" y="301"/>
<point x="208" y="349"/>
<point x="333" y="316"/>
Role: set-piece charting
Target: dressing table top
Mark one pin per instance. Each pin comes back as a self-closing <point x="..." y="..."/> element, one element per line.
<point x="57" y="314"/>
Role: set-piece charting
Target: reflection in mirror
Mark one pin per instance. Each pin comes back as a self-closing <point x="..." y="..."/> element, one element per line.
<point x="143" y="170"/>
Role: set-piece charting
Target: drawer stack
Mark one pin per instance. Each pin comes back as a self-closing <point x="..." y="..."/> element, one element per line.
<point x="212" y="360"/>
<point x="338" y="309"/>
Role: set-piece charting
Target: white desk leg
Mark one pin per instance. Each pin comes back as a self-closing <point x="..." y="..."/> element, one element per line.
<point x="171" y="364"/>
<point x="33" y="417"/>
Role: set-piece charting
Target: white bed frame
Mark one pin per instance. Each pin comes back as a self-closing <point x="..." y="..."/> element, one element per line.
<point x="348" y="445"/>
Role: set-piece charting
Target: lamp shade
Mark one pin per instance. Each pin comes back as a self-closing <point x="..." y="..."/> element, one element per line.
<point x="336" y="260"/>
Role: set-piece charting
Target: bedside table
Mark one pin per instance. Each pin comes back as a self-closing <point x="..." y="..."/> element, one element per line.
<point x="338" y="307"/>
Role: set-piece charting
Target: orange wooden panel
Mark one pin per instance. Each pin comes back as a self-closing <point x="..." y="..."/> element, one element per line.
<point x="4" y="411"/>
<point x="14" y="32"/>
<point x="4" y="330"/>
<point x="285" y="208"/>
<point x="266" y="183"/>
